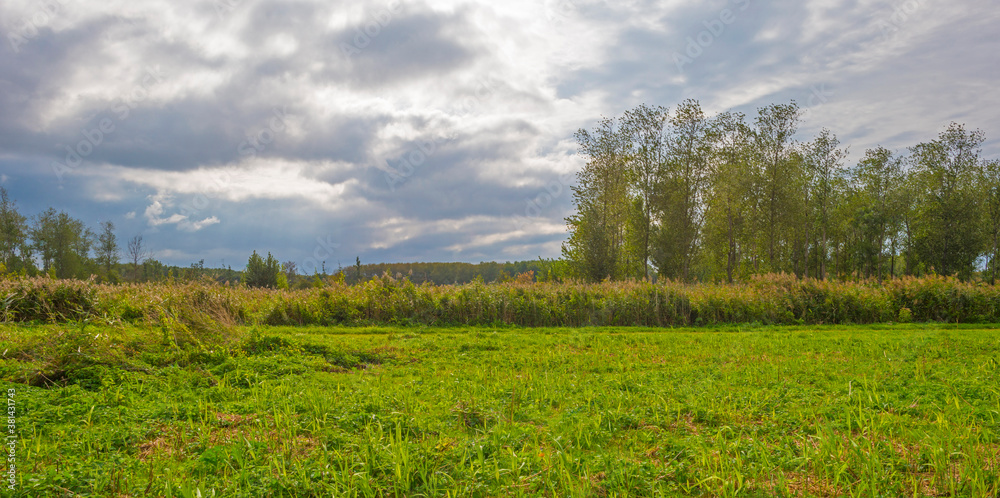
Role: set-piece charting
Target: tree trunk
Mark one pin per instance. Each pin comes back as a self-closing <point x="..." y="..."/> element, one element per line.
<point x="878" y="259"/>
<point x="645" y="246"/>
<point x="732" y="245"/>
<point x="996" y="258"/>
<point x="836" y="266"/>
<point x="805" y="236"/>
<point x="822" y="260"/>
<point x="892" y="260"/>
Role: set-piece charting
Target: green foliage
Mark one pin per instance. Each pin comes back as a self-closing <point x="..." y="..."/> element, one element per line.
<point x="754" y="411"/>
<point x="719" y="199"/>
<point x="107" y="249"/>
<point x="644" y="127"/>
<point x="989" y="181"/>
<point x="457" y="273"/>
<point x="15" y="248"/>
<point x="264" y="273"/>
<point x="948" y="231"/>
<point x="598" y="245"/>
<point x="204" y="308"/>
<point x="681" y="184"/>
<point x="49" y="300"/>
<point x="63" y="244"/>
<point x="878" y="209"/>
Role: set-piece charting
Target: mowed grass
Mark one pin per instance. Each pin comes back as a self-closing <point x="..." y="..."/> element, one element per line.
<point x="280" y="411"/>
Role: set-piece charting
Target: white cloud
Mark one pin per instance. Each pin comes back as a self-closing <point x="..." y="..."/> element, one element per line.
<point x="198" y="225"/>
<point x="504" y="85"/>
<point x="160" y="203"/>
<point x="247" y="181"/>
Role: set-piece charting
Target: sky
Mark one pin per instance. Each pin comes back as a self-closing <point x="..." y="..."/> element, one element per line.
<point x="438" y="130"/>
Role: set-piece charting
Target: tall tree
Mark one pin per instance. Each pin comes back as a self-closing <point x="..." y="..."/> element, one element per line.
<point x="693" y="196"/>
<point x="682" y="187"/>
<point x="597" y="246"/>
<point x="63" y="243"/>
<point x="909" y="212"/>
<point x="797" y="239"/>
<point x="291" y="269"/>
<point x="989" y="181"/>
<point x="107" y="248"/>
<point x="728" y="196"/>
<point x="137" y="253"/>
<point x="262" y="272"/>
<point x="823" y="161"/>
<point x="949" y="236"/>
<point x="878" y="178"/>
<point x="15" y="251"/>
<point x="776" y="125"/>
<point x="646" y="126"/>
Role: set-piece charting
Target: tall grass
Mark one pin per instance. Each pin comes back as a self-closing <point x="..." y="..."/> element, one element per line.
<point x="772" y="299"/>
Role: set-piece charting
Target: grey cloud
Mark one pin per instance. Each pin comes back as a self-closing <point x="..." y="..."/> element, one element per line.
<point x="422" y="45"/>
<point x="934" y="66"/>
<point x="390" y="46"/>
<point x="195" y="131"/>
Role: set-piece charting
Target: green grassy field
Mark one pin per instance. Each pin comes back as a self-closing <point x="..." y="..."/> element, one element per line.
<point x="280" y="411"/>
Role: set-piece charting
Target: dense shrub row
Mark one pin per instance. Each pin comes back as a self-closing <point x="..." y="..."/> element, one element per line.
<point x="774" y="299"/>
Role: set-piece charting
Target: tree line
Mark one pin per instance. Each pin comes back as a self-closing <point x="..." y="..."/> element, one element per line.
<point x="56" y="244"/>
<point x="683" y="195"/>
<point x="540" y="270"/>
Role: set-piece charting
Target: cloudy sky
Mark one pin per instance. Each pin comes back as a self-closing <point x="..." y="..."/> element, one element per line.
<point x="437" y="130"/>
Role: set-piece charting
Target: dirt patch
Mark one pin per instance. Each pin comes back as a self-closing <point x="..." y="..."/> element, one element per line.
<point x="232" y="429"/>
<point x="685" y="422"/>
<point x="798" y="484"/>
<point x="231" y="419"/>
<point x="157" y="447"/>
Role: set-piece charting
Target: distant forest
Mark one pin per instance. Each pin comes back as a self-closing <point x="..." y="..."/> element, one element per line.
<point x="691" y="197"/>
<point x="56" y="244"/>
<point x="540" y="270"/>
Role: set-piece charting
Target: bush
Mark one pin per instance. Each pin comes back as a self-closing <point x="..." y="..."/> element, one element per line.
<point x="202" y="313"/>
